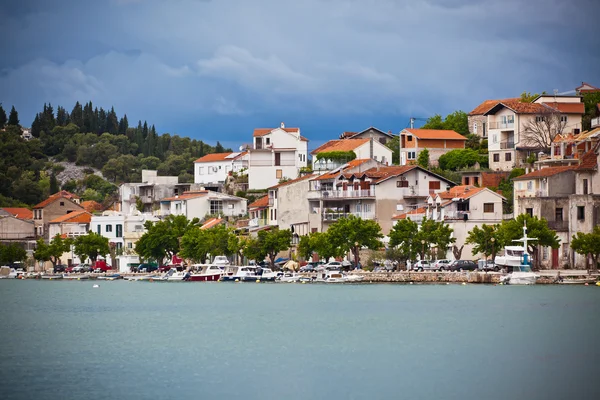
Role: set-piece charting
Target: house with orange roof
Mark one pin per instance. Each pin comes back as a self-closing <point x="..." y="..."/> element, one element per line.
<point x="568" y="148"/>
<point x="512" y="125"/>
<point x="363" y="148"/>
<point x="371" y="132"/>
<point x="212" y="170"/>
<point x="200" y="203"/>
<point x="73" y="224"/>
<point x="478" y="121"/>
<point x="437" y="141"/>
<point x="18" y="212"/>
<point x="92" y="206"/>
<point x="370" y="191"/>
<point x="288" y="205"/>
<point x="586" y="88"/>
<point x="276" y="153"/>
<point x="54" y="206"/>
<point x="259" y="214"/>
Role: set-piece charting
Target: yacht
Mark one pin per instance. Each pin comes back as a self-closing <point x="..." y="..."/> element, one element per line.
<point x="207" y="273"/>
<point x="521" y="273"/>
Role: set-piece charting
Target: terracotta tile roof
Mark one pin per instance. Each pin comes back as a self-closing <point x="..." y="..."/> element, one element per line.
<point x="51" y="199"/>
<point x="260" y="203"/>
<point x="19" y="212"/>
<point x="187" y="196"/>
<point x="487" y="105"/>
<point x="211" y="223"/>
<point x="382" y="173"/>
<point x="519" y="107"/>
<point x="303" y="139"/>
<point x="435" y="134"/>
<point x="302" y="178"/>
<point x="545" y="172"/>
<point x="340" y="145"/>
<point x="91" y="206"/>
<point x="418" y="211"/>
<point x="81" y="217"/>
<point x="242" y="223"/>
<point x="213" y="157"/>
<point x="460" y="192"/>
<point x="351" y="164"/>
<point x="589" y="161"/>
<point x="568" y="108"/>
<point x="590" y="89"/>
<point x="266" y="131"/>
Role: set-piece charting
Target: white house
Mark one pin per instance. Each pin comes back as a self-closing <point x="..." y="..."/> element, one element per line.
<point x="275" y="154"/>
<point x="363" y="148"/>
<point x="201" y="203"/>
<point x="214" y="168"/>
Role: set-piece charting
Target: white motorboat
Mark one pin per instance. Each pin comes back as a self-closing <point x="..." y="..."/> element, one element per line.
<point x="512" y="257"/>
<point x="261" y="274"/>
<point x="520" y="274"/>
<point x="330" y="276"/>
<point x="174" y="275"/>
<point x="289" y="277"/>
<point x="354" y="278"/>
<point x="234" y="274"/>
<point x="207" y="273"/>
<point x="221" y="261"/>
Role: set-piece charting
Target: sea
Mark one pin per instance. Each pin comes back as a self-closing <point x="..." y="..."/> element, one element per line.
<point x="194" y="340"/>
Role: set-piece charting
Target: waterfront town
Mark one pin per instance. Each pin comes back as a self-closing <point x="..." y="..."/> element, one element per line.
<point x="276" y="183"/>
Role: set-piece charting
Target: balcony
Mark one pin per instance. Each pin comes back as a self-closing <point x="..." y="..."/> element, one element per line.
<point x="146" y="199"/>
<point x="559" y="225"/>
<point x="341" y="194"/>
<point x="595" y="122"/>
<point x="509" y="144"/>
<point x="334" y="216"/>
<point x="457" y="215"/>
<point x="502" y="125"/>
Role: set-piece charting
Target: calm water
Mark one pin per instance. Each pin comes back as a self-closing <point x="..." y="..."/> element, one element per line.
<point x="141" y="340"/>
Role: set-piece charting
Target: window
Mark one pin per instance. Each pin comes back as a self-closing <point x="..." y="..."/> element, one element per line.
<point x="496" y="157"/>
<point x="476" y="180"/>
<point x="507" y="156"/>
<point x="216" y="207"/>
<point x="529" y="211"/>
<point x="558" y="214"/>
<point x="530" y="185"/>
<point x="539" y="118"/>
<point x="488" y="207"/>
<point x="62" y="203"/>
<point x="119" y="229"/>
<point x="585" y="186"/>
<point x="409" y="138"/>
<point x="483" y="129"/>
<point x="130" y="245"/>
<point x="544" y="253"/>
<point x="268" y="141"/>
<point x="563" y="118"/>
<point x="277" y="159"/>
<point x="475" y="127"/>
<point x="382" y="140"/>
<point x="462" y="205"/>
<point x="411" y="155"/>
<point x="99" y="229"/>
<point x="108" y="228"/>
<point x="278" y="173"/>
<point x="581" y="213"/>
<point x="201" y="170"/>
<point x="434" y="185"/>
<point x="466" y="180"/>
<point x="401" y="184"/>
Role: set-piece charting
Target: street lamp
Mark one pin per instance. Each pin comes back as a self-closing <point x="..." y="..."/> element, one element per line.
<point x="422" y="249"/>
<point x="492" y="240"/>
<point x="355" y="254"/>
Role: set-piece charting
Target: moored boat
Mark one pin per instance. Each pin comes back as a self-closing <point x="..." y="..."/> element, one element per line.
<point x="520" y="274"/>
<point x="207" y="273"/>
<point x="51" y="276"/>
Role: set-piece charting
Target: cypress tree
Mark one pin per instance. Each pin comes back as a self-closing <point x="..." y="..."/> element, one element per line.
<point x="102" y="121"/>
<point x="13" y="117"/>
<point x="112" y="122"/>
<point x="62" y="117"/>
<point x="123" y="125"/>
<point x="2" y="117"/>
<point x="36" y="126"/>
<point x="88" y="116"/>
<point x="77" y="116"/>
<point x="54" y="187"/>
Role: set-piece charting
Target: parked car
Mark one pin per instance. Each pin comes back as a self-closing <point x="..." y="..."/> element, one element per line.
<point x="487" y="265"/>
<point x="60" y="268"/>
<point x="462" y="265"/>
<point x="101" y="266"/>
<point x="147" y="267"/>
<point x="333" y="265"/>
<point x="421" y="265"/>
<point x="441" y="265"/>
<point x="82" y="268"/>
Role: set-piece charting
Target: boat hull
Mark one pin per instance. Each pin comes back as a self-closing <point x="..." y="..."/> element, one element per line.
<point x="522" y="278"/>
<point x="204" y="278"/>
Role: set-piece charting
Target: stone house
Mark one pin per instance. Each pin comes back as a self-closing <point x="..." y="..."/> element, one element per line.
<point x="437" y="141"/>
<point x="288" y="205"/>
<point x="55" y="206"/>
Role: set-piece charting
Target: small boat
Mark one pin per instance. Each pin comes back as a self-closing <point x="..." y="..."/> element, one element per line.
<point x="354" y="278"/>
<point x="174" y="276"/>
<point x="207" y="273"/>
<point x="112" y="277"/>
<point x="51" y="276"/>
<point x="575" y="281"/>
<point x="262" y="274"/>
<point x="521" y="274"/>
<point x="232" y="274"/>
<point x="72" y="277"/>
<point x="330" y="276"/>
<point x="289" y="277"/>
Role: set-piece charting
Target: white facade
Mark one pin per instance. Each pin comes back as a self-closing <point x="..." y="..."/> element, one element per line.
<point x="363" y="148"/>
<point x="203" y="203"/>
<point x="276" y="154"/>
<point x="214" y="168"/>
<point x="111" y="225"/>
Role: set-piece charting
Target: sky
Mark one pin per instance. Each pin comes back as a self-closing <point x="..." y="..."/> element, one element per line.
<point x="217" y="69"/>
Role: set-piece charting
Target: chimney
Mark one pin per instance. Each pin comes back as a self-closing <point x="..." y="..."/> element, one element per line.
<point x="282" y="125"/>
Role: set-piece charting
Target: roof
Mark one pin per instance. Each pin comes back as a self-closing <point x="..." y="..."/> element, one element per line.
<point x="19" y="212"/>
<point x="350" y="135"/>
<point x="266" y="131"/>
<point x="302" y="178"/>
<point x="51" y="199"/>
<point x="260" y="203"/>
<point x="567" y="108"/>
<point x="91" y="206"/>
<point x="334" y="174"/>
<point x="340" y="145"/>
<point x="435" y="134"/>
<point x="187" y="196"/>
<point x="346" y="135"/>
<point x="586" y="87"/>
<point x="589" y="161"/>
<point x="460" y="192"/>
<point x="382" y="173"/>
<point x="211" y="223"/>
<point x="80" y="216"/>
<point x="487" y="105"/>
<point x="220" y="157"/>
<point x="519" y="107"/>
<point x="545" y="172"/>
<point x="418" y="211"/>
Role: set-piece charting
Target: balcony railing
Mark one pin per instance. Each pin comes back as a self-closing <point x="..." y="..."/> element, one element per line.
<point x="502" y="125"/>
<point x="341" y="194"/>
<point x="559" y="225"/>
<point x="334" y="216"/>
<point x="460" y="215"/>
<point x="507" y="144"/>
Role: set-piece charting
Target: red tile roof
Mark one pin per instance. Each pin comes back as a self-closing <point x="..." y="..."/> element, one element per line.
<point x="19" y="212"/>
<point x="187" y="196"/>
<point x="460" y="192"/>
<point x="211" y="223"/>
<point x="435" y="134"/>
<point x="520" y="107"/>
<point x="418" y="211"/>
<point x="487" y="105"/>
<point x="91" y="206"/>
<point x="302" y="178"/>
<point x="80" y="217"/>
<point x="260" y="203"/>
<point x="382" y="173"/>
<point x="266" y="131"/>
<point x="219" y="157"/>
<point x="589" y="161"/>
<point x="51" y="199"/>
<point x="568" y="108"/>
<point x="351" y="164"/>
<point x="340" y="145"/>
<point x="545" y="172"/>
<point x="591" y="89"/>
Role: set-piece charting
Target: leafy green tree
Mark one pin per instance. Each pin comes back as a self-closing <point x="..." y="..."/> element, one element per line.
<point x="53" y="250"/>
<point x="456" y="121"/>
<point x="403" y="237"/>
<point x="195" y="246"/>
<point x="435" y="234"/>
<point x="435" y="122"/>
<point x="460" y="158"/>
<point x="423" y="159"/>
<point x="482" y="237"/>
<point x="27" y="190"/>
<point x="527" y="97"/>
<point x="588" y="245"/>
<point x="91" y="246"/>
<point x="272" y="242"/>
<point x="161" y="239"/>
<point x="353" y="233"/>
<point x="2" y="117"/>
<point x="12" y="253"/>
<point x="13" y="117"/>
<point x="305" y="247"/>
<point x="511" y="230"/>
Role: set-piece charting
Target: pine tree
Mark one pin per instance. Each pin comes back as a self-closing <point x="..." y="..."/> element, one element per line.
<point x="62" y="117"/>
<point x="77" y="116"/>
<point x="112" y="122"/>
<point x="36" y="126"/>
<point x="48" y="121"/>
<point x="123" y="125"/>
<point x="2" y="117"/>
<point x="219" y="148"/>
<point x="145" y="130"/>
<point x="102" y="120"/>
<point x="13" y="117"/>
<point x="88" y="118"/>
<point x="139" y="138"/>
<point x="54" y="187"/>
